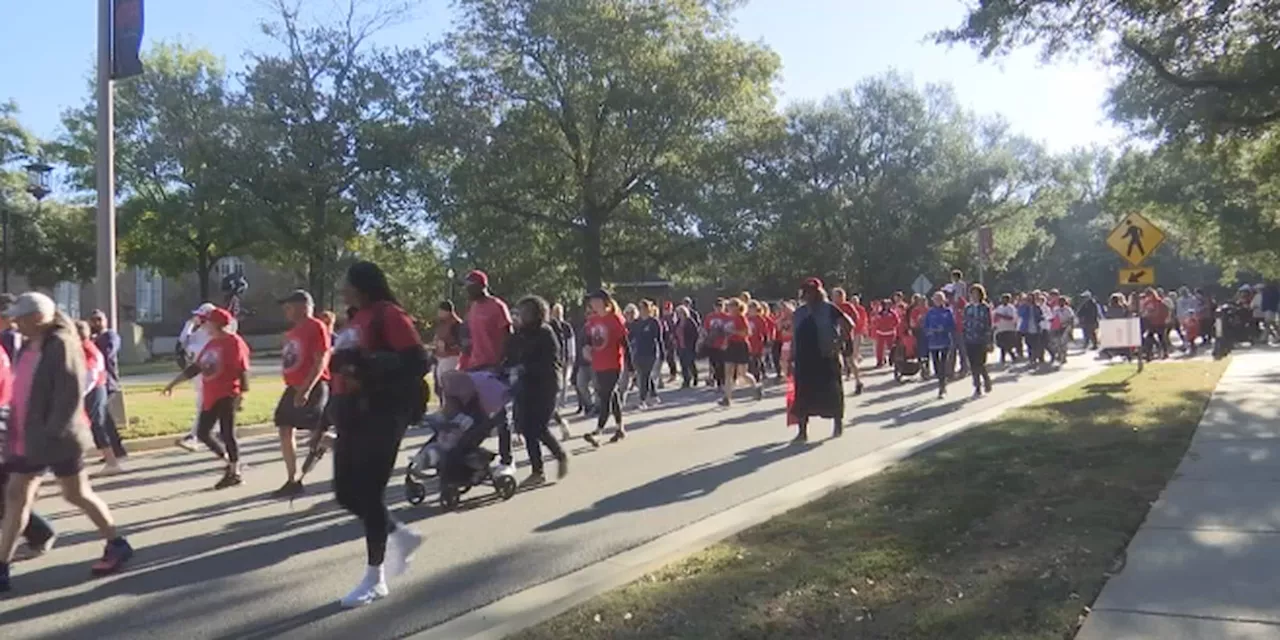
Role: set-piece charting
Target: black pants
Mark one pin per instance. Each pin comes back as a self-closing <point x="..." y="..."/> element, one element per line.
<point x="223" y="412"/>
<point x="1035" y="347"/>
<point x="644" y="380"/>
<point x="715" y="357"/>
<point x="38" y="530"/>
<point x="776" y="351"/>
<point x="533" y="415"/>
<point x="938" y="357"/>
<point x="689" y="367"/>
<point x="504" y="437"/>
<point x="608" y="399"/>
<point x="364" y="455"/>
<point x="671" y="360"/>
<point x="978" y="365"/>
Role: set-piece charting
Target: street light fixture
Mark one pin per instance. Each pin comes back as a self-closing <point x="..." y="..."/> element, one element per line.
<point x="38" y="186"/>
<point x="450" y="274"/>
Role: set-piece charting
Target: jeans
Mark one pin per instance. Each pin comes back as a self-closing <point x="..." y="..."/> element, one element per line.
<point x="583" y="378"/>
<point x="689" y="366"/>
<point x="977" y="354"/>
<point x="939" y="359"/>
<point x="645" y="380"/>
<point x="101" y="424"/>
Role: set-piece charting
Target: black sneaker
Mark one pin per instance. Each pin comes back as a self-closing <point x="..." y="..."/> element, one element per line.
<point x="289" y="489"/>
<point x="591" y="439"/>
<point x="229" y="479"/>
<point x="857" y="390"/>
<point x="535" y="479"/>
<point x="114" y="555"/>
<point x="617" y="436"/>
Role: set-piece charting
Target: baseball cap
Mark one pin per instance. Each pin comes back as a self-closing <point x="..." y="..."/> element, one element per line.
<point x="812" y="283"/>
<point x="204" y="310"/>
<point x="598" y="294"/>
<point x="478" y="277"/>
<point x="30" y="303"/>
<point x="298" y="295"/>
<point x="219" y="316"/>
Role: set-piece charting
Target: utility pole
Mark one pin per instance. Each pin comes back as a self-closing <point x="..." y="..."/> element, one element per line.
<point x="106" y="170"/>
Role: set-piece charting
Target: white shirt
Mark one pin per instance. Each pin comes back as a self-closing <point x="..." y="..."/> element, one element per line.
<point x="193" y="340"/>
<point x="1008" y="323"/>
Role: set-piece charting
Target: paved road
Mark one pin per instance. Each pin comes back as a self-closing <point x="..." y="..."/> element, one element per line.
<point x="236" y="564"/>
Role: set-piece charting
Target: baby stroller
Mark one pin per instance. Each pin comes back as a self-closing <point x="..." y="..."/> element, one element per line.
<point x="453" y="454"/>
<point x="905" y="358"/>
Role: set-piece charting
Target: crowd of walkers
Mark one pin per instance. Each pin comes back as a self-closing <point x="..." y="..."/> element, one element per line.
<point x="355" y="385"/>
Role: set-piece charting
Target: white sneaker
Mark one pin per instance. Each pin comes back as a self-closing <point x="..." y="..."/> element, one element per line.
<point x="642" y="406"/>
<point x="365" y="593"/>
<point x="402" y="544"/>
<point x="189" y="443"/>
<point x="110" y="469"/>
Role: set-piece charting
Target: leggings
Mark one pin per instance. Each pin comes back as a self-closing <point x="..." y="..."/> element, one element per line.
<point x="715" y="357"/>
<point x="608" y="399"/>
<point x="222" y="412"/>
<point x="644" y="378"/>
<point x="533" y="418"/>
<point x="364" y="455"/>
<point x="689" y="366"/>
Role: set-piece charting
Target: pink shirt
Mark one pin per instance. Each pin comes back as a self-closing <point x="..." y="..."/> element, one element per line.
<point x="24" y="372"/>
<point x="488" y="325"/>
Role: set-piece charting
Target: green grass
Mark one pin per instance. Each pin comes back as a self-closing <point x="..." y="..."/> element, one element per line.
<point x="1005" y="531"/>
<point x="152" y="414"/>
<point x="163" y="365"/>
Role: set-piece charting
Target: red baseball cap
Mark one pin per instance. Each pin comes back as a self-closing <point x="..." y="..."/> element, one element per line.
<point x="219" y="316"/>
<point x="478" y="277"/>
<point x="812" y="283"/>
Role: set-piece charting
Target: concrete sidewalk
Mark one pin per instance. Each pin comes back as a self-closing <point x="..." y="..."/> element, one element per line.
<point x="1206" y="562"/>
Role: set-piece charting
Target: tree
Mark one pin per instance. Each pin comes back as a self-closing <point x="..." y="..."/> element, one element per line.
<point x="52" y="243"/>
<point x="330" y="133"/>
<point x="570" y="120"/>
<point x="884" y="182"/>
<point x="1195" y="68"/>
<point x="176" y="139"/>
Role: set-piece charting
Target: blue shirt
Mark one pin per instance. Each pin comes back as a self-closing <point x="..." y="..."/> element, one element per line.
<point x="939" y="326"/>
<point x="108" y="342"/>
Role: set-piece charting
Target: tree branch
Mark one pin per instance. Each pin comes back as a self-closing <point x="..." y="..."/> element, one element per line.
<point x="1215" y="82"/>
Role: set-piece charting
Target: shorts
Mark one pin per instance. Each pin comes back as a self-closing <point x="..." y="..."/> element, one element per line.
<point x="65" y="469"/>
<point x="737" y="353"/>
<point x="309" y="417"/>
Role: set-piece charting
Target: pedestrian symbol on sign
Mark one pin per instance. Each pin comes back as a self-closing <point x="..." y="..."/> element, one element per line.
<point x="1135" y="239"/>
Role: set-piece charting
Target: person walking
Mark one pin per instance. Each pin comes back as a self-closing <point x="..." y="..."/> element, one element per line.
<point x="223" y="368"/>
<point x="715" y="339"/>
<point x="38" y="535"/>
<point x="977" y="338"/>
<point x="191" y="341"/>
<point x="737" y="353"/>
<point x="1089" y="314"/>
<point x="647" y="344"/>
<point x="686" y="341"/>
<point x="1005" y="321"/>
<point x="484" y="341"/>
<point x="608" y="349"/>
<point x="535" y="363"/>
<point x="567" y="342"/>
<point x="939" y="335"/>
<point x="584" y="377"/>
<point x="103" y="430"/>
<point x="108" y="343"/>
<point x="378" y="367"/>
<point x="304" y="364"/>
<point x="448" y="341"/>
<point x="10" y="338"/>
<point x="48" y="431"/>
<point x="668" y="321"/>
<point x="820" y="329"/>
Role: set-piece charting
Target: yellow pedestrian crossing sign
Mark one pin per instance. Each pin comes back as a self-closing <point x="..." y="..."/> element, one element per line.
<point x="1135" y="238"/>
<point x="1137" y="276"/>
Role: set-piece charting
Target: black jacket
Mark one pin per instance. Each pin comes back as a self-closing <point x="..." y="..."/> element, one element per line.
<point x="534" y="354"/>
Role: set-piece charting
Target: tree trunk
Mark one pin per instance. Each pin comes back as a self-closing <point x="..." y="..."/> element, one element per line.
<point x="592" y="253"/>
<point x="204" y="264"/>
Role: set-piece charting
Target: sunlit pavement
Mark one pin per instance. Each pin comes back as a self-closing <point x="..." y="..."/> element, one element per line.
<point x="238" y="564"/>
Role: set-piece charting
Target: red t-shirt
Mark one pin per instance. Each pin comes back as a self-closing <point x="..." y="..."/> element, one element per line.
<point x="221" y="362"/>
<point x="862" y="319"/>
<point x="717" y="326"/>
<point x="304" y="344"/>
<point x="607" y="334"/>
<point x="488" y="326"/>
<point x="397" y="333"/>
<point x="95" y="366"/>
<point x="915" y="316"/>
<point x="738" y="328"/>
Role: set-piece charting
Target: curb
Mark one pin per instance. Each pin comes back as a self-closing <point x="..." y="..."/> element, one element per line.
<point x="542" y="602"/>
<point x="155" y="443"/>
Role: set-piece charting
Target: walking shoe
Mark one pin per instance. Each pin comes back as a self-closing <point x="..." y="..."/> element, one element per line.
<point x="289" y="489"/>
<point x="116" y="553"/>
<point x="591" y="439"/>
<point x="189" y="443"/>
<point x="857" y="390"/>
<point x="617" y="436"/>
<point x="402" y="545"/>
<point x="977" y="392"/>
<point x="109" y="469"/>
<point x="535" y="479"/>
<point x="987" y="386"/>
<point x="368" y="591"/>
<point x="562" y="467"/>
<point x="229" y="479"/>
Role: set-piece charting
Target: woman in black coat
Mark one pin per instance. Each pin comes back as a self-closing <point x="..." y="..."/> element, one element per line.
<point x="535" y="366"/>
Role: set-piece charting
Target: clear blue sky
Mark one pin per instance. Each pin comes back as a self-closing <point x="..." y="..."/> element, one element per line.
<point x="47" y="51"/>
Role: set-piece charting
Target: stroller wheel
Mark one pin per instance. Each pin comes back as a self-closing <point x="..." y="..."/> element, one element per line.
<point x="506" y="486"/>
<point x="415" y="492"/>
<point x="449" y="498"/>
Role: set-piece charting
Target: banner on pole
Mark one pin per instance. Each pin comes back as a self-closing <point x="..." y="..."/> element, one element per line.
<point x="126" y="39"/>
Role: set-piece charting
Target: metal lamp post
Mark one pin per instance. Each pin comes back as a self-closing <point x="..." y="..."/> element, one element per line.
<point x="451" y="274"/>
